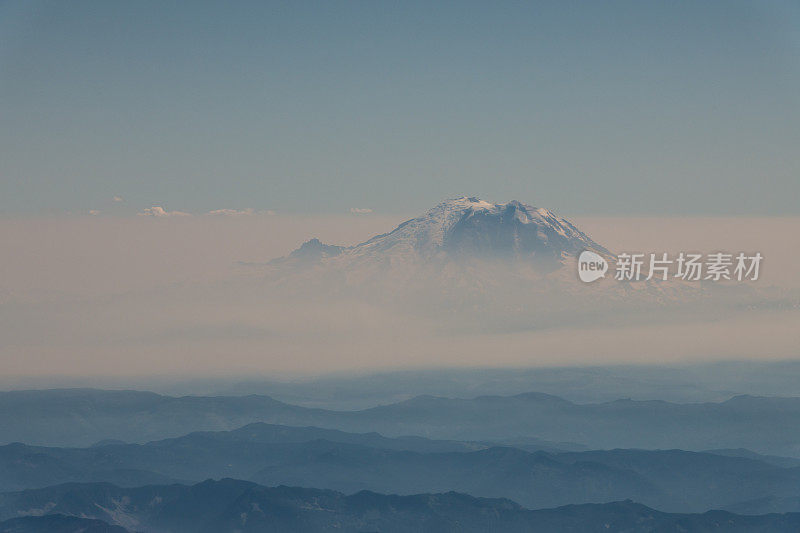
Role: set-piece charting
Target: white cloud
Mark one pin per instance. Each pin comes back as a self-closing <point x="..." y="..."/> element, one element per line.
<point x="360" y="210"/>
<point x="117" y="199"/>
<point x="158" y="211"/>
<point x="232" y="212"/>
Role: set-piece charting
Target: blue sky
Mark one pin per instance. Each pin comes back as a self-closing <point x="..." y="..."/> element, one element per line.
<point x="302" y="107"/>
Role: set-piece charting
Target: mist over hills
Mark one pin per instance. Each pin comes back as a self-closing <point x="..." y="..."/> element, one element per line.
<point x="669" y="480"/>
<point x="246" y="284"/>
<point x="696" y="382"/>
<point x="537" y="450"/>
<point x="83" y="417"/>
<point x="230" y="505"/>
<point x="463" y="269"/>
<point x="678" y="383"/>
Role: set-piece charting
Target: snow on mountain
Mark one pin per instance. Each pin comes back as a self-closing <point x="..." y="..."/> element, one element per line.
<point x="505" y="266"/>
<point x="465" y="228"/>
<point x="463" y="255"/>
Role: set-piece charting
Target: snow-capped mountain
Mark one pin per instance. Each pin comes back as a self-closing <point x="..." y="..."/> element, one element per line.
<point x="508" y="265"/>
<point x="462" y="229"/>
<point x="464" y="254"/>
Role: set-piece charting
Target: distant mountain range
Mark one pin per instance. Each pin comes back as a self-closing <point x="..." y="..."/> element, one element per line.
<point x="143" y="458"/>
<point x="81" y="417"/>
<point x="708" y="382"/>
<point x="229" y="505"/>
<point x="670" y="480"/>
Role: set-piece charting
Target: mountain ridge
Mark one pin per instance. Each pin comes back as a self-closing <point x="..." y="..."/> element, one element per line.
<point x="670" y="480"/>
<point x="762" y="424"/>
<point x="230" y="505"/>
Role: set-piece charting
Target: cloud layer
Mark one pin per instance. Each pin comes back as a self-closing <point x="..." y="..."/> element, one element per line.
<point x="121" y="295"/>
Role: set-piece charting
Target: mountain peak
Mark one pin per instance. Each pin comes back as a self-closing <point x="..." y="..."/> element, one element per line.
<point x="464" y="228"/>
<point x="471" y="226"/>
<point x="463" y="202"/>
<point x="310" y="252"/>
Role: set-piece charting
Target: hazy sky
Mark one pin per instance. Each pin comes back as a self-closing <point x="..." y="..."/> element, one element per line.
<point x="339" y="120"/>
<point x="584" y="107"/>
